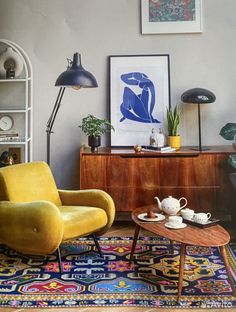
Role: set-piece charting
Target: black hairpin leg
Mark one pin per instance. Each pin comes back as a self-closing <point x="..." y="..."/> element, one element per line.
<point x="97" y="245"/>
<point x="59" y="260"/>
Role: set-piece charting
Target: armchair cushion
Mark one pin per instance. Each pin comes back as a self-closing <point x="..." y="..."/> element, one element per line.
<point x="81" y="220"/>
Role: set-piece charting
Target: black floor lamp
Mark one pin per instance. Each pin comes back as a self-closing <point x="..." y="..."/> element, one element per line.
<point x="198" y="96"/>
<point x="76" y="77"/>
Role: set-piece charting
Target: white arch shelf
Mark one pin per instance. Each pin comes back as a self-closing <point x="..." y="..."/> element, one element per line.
<point x="16" y="101"/>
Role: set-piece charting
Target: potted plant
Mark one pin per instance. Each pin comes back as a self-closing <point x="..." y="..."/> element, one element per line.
<point x="94" y="127"/>
<point x="173" y="120"/>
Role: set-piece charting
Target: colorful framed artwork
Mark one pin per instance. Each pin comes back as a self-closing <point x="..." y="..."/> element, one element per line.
<point x="139" y="97"/>
<point x="171" y="16"/>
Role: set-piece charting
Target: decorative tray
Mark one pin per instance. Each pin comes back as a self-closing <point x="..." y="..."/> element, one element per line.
<point x="210" y="222"/>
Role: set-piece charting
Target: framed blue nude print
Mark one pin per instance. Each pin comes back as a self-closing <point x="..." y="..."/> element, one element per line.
<point x="139" y="97"/>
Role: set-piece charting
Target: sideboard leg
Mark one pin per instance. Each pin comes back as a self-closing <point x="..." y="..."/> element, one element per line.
<point x="227" y="267"/>
<point x="181" y="269"/>
<point x="136" y="234"/>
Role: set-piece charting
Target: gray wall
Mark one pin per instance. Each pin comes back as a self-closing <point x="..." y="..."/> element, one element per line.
<point x="50" y="31"/>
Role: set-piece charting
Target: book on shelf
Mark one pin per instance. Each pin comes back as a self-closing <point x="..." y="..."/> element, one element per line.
<point x="8" y="133"/>
<point x="12" y="139"/>
<point x="164" y="149"/>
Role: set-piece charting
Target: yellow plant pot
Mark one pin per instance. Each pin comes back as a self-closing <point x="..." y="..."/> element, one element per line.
<point x="174" y="141"/>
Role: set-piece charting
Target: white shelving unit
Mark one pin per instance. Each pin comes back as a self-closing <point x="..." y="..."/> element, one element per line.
<point x="16" y="101"/>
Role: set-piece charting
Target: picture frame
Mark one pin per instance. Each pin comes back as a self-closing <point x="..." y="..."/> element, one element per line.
<point x="15" y="153"/>
<point x="171" y="16"/>
<point x="139" y="97"/>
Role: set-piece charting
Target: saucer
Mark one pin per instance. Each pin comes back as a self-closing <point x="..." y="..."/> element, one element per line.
<point x="143" y="217"/>
<point x="170" y="226"/>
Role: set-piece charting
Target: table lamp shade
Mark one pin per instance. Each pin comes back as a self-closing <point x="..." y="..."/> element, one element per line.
<point x="198" y="96"/>
<point x="76" y="76"/>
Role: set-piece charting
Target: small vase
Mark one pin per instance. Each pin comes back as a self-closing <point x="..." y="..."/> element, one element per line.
<point x="174" y="141"/>
<point x="94" y="142"/>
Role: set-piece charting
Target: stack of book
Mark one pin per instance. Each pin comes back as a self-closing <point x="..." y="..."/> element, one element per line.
<point x="8" y="135"/>
<point x="164" y="149"/>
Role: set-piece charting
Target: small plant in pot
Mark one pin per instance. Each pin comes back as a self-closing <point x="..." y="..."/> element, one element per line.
<point x="94" y="127"/>
<point x="173" y="120"/>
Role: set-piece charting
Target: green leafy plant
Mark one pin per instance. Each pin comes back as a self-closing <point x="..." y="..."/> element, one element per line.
<point x="228" y="132"/>
<point x="173" y="120"/>
<point x="93" y="126"/>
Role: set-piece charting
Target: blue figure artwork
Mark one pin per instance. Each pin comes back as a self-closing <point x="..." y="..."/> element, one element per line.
<point x="138" y="107"/>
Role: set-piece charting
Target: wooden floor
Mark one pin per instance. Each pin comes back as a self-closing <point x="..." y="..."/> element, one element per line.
<point x="118" y="229"/>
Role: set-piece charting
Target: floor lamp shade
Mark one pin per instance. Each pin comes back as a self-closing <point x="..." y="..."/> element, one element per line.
<point x="198" y="96"/>
<point x="76" y="77"/>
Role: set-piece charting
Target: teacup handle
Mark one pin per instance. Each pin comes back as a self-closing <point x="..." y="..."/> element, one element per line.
<point x="185" y="204"/>
<point x="208" y="215"/>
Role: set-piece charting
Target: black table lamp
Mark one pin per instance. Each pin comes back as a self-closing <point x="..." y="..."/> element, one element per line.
<point x="76" y="77"/>
<point x="198" y="96"/>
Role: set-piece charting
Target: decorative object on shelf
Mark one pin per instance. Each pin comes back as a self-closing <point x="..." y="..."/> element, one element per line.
<point x="94" y="127"/>
<point x="76" y="77"/>
<point x="15" y="153"/>
<point x="10" y="61"/>
<point x="10" y="73"/>
<point x="160" y="139"/>
<point x="6" y="122"/>
<point x="6" y="159"/>
<point x="171" y="205"/>
<point x="171" y="16"/>
<point x="139" y="93"/>
<point x="137" y="148"/>
<point x="198" y="96"/>
<point x="173" y="120"/>
<point x="153" y="138"/>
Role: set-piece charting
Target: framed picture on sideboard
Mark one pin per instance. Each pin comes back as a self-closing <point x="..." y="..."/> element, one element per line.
<point x="139" y="97"/>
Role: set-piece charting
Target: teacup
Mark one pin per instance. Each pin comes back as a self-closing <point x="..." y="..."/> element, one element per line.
<point x="201" y="217"/>
<point x="187" y="213"/>
<point x="175" y="221"/>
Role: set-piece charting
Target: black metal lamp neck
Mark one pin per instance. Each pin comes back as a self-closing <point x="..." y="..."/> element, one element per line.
<point x="76" y="63"/>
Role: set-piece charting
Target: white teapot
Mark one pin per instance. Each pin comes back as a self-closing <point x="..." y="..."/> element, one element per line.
<point x="171" y="205"/>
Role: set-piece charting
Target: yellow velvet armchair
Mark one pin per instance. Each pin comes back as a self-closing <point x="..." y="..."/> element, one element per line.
<point x="36" y="217"/>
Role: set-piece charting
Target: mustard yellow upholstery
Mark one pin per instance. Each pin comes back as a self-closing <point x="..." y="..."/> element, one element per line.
<point x="36" y="217"/>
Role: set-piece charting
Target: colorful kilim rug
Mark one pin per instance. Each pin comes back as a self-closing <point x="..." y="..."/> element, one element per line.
<point x="89" y="280"/>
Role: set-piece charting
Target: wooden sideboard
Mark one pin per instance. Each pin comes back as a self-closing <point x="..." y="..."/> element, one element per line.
<point x="134" y="179"/>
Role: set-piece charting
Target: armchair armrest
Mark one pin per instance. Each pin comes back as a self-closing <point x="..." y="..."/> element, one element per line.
<point x="90" y="197"/>
<point x="32" y="227"/>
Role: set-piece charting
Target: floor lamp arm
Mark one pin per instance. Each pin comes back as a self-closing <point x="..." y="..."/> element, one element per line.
<point x="51" y="120"/>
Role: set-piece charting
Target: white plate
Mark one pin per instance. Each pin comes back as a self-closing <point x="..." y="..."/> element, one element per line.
<point x="170" y="226"/>
<point x="159" y="217"/>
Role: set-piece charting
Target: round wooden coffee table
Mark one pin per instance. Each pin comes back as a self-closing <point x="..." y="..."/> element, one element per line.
<point x="213" y="236"/>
